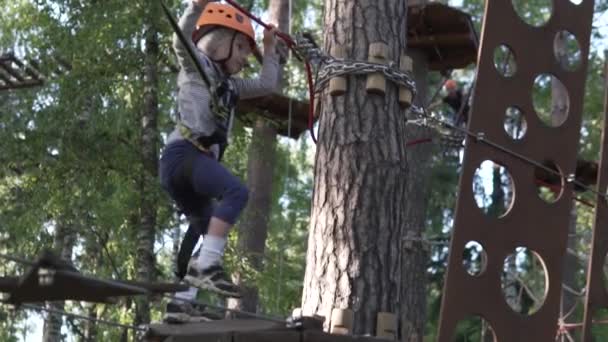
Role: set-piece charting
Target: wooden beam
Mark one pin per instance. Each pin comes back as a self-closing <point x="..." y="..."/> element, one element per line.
<point x="442" y="40"/>
<point x="13" y="72"/>
<point x="275" y="107"/>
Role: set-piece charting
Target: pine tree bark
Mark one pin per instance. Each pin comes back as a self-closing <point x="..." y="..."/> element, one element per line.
<point x="359" y="256"/>
<point x="253" y="227"/>
<point x="149" y="157"/>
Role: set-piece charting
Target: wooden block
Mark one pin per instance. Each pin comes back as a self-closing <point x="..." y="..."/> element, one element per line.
<point x="376" y="83"/>
<point x="341" y="321"/>
<point x="405" y="95"/>
<point x="337" y="85"/>
<point x="386" y="325"/>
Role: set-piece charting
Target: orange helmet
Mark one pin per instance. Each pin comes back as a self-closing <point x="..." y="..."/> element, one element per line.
<point x="216" y="14"/>
<point x="451" y="85"/>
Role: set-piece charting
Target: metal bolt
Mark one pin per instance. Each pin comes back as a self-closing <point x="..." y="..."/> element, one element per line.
<point x="481" y="136"/>
<point x="46" y="276"/>
<point x="571" y="178"/>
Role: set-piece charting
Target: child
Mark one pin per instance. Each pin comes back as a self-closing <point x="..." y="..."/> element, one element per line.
<point x="190" y="170"/>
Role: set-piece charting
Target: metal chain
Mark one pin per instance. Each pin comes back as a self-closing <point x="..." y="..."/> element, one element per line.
<point x="329" y="67"/>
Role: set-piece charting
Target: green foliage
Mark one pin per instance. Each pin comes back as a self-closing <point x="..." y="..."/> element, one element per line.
<point x="71" y="154"/>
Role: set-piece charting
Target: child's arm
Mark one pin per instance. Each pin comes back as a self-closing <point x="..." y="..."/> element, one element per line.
<point x="266" y="83"/>
<point x="187" y="23"/>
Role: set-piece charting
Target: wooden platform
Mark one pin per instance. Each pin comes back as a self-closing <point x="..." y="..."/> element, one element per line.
<point x="14" y="74"/>
<point x="53" y="279"/>
<point x="243" y="331"/>
<point x="444" y="33"/>
<point x="275" y="107"/>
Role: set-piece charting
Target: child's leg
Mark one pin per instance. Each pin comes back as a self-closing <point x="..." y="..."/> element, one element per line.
<point x="198" y="222"/>
<point x="211" y="179"/>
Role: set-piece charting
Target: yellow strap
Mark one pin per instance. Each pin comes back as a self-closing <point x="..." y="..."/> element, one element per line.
<point x="187" y="134"/>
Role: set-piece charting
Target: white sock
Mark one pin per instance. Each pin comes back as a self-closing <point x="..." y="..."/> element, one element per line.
<point x="189" y="294"/>
<point x="212" y="251"/>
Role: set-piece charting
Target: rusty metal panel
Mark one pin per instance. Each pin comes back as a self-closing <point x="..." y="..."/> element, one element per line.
<point x="597" y="295"/>
<point x="529" y="222"/>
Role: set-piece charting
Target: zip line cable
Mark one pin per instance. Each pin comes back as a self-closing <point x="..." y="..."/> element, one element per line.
<point x="480" y="137"/>
<point x="82" y="317"/>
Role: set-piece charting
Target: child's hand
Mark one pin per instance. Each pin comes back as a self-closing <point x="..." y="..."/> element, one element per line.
<point x="270" y="38"/>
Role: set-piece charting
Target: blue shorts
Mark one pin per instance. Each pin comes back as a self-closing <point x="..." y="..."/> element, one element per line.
<point x="196" y="181"/>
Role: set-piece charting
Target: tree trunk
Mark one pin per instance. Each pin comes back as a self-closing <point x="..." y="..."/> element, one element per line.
<point x="149" y="158"/>
<point x="419" y="159"/>
<point x="358" y="256"/>
<point x="64" y="244"/>
<point x="253" y="228"/>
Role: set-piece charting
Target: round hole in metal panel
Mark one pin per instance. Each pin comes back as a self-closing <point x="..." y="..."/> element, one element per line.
<point x="493" y="189"/>
<point x="504" y="61"/>
<point x="533" y="12"/>
<point x="550" y="99"/>
<point x="549" y="181"/>
<point x="567" y="50"/>
<point x="474" y="328"/>
<point x="524" y="281"/>
<point x="515" y="123"/>
<point x="474" y="258"/>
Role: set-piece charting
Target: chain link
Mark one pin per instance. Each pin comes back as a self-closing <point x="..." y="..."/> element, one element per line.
<point x="329" y="67"/>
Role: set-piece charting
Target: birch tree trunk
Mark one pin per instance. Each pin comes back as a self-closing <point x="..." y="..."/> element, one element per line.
<point x="65" y="239"/>
<point x="358" y="253"/>
<point x="148" y="183"/>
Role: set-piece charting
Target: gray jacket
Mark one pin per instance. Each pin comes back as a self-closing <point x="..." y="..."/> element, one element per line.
<point x="193" y="95"/>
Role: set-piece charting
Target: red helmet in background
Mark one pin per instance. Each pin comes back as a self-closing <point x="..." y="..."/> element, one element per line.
<point x="451" y="85"/>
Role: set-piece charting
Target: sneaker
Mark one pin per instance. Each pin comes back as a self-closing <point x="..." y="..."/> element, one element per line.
<point x="213" y="279"/>
<point x="184" y="312"/>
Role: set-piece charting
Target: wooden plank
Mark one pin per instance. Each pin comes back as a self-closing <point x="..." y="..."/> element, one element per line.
<point x="268" y="336"/>
<point x="13" y="72"/>
<point x="214" y="328"/>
